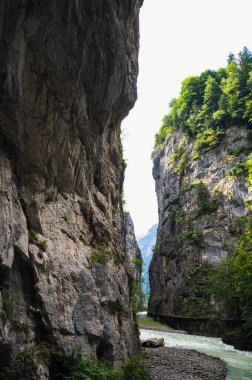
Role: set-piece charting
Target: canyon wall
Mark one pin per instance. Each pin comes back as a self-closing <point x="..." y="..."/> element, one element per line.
<point x="203" y="200"/>
<point x="68" y="72"/>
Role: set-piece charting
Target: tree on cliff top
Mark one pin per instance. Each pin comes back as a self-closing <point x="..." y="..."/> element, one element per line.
<point x="215" y="99"/>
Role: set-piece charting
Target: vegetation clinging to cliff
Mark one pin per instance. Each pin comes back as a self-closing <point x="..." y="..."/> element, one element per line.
<point x="210" y="103"/>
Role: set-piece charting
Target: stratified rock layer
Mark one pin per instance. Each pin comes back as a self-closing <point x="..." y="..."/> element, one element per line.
<point x="68" y="72"/>
<point x="198" y="203"/>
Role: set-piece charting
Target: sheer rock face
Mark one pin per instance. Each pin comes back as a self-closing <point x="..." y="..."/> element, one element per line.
<point x="131" y="247"/>
<point x="68" y="72"/>
<point x="196" y="210"/>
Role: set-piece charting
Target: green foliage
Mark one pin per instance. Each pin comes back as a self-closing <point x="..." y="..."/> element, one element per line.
<point x="155" y="250"/>
<point x="156" y="302"/>
<point x="196" y="303"/>
<point x="100" y="255"/>
<point x="238" y="170"/>
<point x="195" y="306"/>
<point x="122" y="204"/>
<point x="20" y="326"/>
<point x="223" y="288"/>
<point x="33" y="238"/>
<point x="176" y="215"/>
<point x="15" y="370"/>
<point x="149" y="322"/>
<point x="193" y="237"/>
<point x="248" y="166"/>
<point x="81" y="367"/>
<point x="206" y="140"/>
<point x="77" y="367"/>
<point x="242" y="169"/>
<point x="178" y="151"/>
<point x="43" y="245"/>
<point x="8" y="303"/>
<point x="186" y="188"/>
<point x="183" y="164"/>
<point x="237" y="227"/>
<point x="241" y="262"/>
<point x="232" y="279"/>
<point x="181" y="158"/>
<point x="11" y="307"/>
<point x="245" y="331"/>
<point x="137" y="263"/>
<point x="137" y="368"/>
<point x="210" y="103"/>
<point x="25" y="365"/>
<point x="246" y="149"/>
<point x="167" y="126"/>
<point x="206" y="204"/>
<point x="137" y="299"/>
<point x="229" y="282"/>
<point x="214" y="323"/>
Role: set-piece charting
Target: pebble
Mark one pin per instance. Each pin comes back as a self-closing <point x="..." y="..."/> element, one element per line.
<point x="177" y="364"/>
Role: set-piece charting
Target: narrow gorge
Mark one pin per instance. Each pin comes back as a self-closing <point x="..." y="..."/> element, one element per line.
<point x="201" y="266"/>
<point x="68" y="72"/>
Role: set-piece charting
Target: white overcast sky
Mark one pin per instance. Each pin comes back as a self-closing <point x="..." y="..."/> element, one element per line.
<point x="178" y="38"/>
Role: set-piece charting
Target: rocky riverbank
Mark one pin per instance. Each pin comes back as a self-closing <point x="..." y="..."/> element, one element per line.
<point x="177" y="364"/>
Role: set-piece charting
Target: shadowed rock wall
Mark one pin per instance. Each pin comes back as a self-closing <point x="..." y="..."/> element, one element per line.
<point x="68" y="72"/>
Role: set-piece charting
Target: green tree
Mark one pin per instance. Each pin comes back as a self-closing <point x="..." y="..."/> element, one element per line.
<point x="241" y="262"/>
<point x="248" y="105"/>
<point x="214" y="100"/>
<point x="212" y="94"/>
<point x="231" y="88"/>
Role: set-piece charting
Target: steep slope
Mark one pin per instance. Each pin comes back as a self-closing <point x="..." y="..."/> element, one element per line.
<point x="198" y="209"/>
<point x="203" y="173"/>
<point x="146" y="244"/>
<point x="131" y="247"/>
<point x="68" y="75"/>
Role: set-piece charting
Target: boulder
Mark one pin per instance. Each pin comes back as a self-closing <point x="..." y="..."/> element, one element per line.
<point x="153" y="342"/>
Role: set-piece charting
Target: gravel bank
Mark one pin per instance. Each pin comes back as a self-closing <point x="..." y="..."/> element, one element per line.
<point x="177" y="364"/>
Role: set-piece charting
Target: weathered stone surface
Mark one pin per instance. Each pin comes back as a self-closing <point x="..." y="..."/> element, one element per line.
<point x="173" y="271"/>
<point x="131" y="247"/>
<point x="153" y="342"/>
<point x="68" y="74"/>
<point x="12" y="220"/>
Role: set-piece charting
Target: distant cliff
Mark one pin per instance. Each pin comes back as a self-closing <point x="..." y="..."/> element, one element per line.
<point x="196" y="213"/>
<point x="203" y="174"/>
<point x="132" y="249"/>
<point x="68" y="72"/>
<point x="147" y="245"/>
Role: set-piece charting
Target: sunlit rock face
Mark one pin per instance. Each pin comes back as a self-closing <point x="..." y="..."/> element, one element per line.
<point x="68" y="72"/>
<point x="197" y="208"/>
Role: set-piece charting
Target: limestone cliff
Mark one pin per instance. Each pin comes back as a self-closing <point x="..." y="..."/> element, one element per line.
<point x="200" y="200"/>
<point x="131" y="247"/>
<point x="68" y="72"/>
<point x="146" y="244"/>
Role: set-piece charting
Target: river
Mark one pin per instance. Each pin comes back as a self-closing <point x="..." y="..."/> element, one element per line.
<point x="239" y="363"/>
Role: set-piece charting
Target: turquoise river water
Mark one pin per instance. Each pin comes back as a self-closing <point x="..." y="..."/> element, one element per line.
<point x="239" y="363"/>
